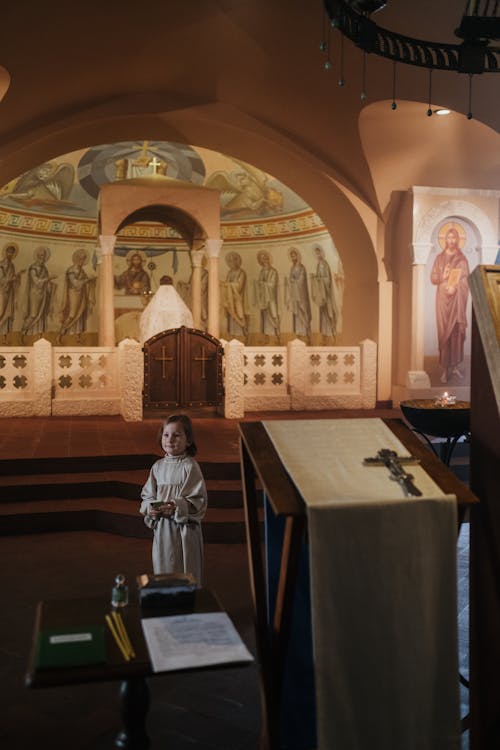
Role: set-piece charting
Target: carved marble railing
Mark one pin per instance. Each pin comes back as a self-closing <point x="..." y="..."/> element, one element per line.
<point x="42" y="380"/>
<point x="298" y="377"/>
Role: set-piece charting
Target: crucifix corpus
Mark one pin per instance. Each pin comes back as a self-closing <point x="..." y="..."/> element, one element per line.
<point x="395" y="464"/>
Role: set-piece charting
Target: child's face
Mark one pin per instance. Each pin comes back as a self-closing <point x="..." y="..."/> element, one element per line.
<point x="174" y="440"/>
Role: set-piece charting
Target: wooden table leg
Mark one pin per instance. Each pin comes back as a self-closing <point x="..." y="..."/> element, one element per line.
<point x="134" y="695"/>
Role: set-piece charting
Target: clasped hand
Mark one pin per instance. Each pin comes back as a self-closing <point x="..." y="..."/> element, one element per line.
<point x="165" y="510"/>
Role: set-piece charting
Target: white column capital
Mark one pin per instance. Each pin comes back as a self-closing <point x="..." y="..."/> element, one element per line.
<point x="107" y="243"/>
<point x="213" y="247"/>
<point x="197" y="258"/>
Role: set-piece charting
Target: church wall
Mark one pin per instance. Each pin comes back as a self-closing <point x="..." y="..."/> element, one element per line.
<point x="401" y="254"/>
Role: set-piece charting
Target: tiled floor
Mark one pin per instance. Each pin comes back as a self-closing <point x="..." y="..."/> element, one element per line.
<point x="215" y="711"/>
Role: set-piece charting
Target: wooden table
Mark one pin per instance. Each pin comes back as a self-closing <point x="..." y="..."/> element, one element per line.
<point x="134" y="691"/>
<point x="261" y="465"/>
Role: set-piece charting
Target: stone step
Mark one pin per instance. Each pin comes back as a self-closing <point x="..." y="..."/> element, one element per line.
<point x="110" y="514"/>
<point x="106" y="464"/>
<point x="103" y="493"/>
<point x="127" y="485"/>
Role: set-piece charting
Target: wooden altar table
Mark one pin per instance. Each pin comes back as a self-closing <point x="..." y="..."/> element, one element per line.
<point x="262" y="463"/>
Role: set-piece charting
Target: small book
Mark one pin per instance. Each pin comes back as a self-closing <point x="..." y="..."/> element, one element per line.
<point x="161" y="590"/>
<point x="454" y="277"/>
<point x="70" y="647"/>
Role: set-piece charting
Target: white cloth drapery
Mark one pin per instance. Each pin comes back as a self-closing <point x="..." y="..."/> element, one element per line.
<point x="383" y="590"/>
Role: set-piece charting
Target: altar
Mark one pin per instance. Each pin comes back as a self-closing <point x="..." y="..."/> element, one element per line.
<point x="379" y="569"/>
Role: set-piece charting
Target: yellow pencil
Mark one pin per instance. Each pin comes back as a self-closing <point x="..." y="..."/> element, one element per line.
<point x="123" y="632"/>
<point x="117" y="638"/>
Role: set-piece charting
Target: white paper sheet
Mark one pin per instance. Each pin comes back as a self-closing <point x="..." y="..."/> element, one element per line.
<point x="194" y="640"/>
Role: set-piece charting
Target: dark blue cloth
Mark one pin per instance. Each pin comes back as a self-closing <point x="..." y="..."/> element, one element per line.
<point x="298" y="705"/>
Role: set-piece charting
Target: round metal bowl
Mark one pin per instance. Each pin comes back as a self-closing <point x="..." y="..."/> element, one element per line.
<point x="439" y="421"/>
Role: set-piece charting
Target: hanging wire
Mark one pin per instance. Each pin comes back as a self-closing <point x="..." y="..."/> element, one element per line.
<point x="363" y="82"/>
<point x="341" y="66"/>
<point x="326" y="38"/>
<point x="469" y="113"/>
<point x="429" y="110"/>
<point x="323" y="45"/>
<point x="394" y="104"/>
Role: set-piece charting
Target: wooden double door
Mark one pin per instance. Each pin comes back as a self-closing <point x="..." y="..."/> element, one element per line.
<point x="183" y="369"/>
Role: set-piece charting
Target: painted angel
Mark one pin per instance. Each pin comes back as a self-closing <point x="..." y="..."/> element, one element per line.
<point x="245" y="191"/>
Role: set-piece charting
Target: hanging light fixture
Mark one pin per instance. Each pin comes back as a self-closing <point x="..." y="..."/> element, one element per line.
<point x="474" y="55"/>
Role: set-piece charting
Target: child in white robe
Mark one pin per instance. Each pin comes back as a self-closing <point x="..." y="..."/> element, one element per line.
<point x="174" y="501"/>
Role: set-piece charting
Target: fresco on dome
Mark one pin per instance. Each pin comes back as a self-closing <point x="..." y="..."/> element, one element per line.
<point x="280" y="274"/>
<point x="70" y="184"/>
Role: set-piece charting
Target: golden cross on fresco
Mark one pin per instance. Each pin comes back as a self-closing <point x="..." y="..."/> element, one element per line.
<point x="155" y="163"/>
<point x="163" y="359"/>
<point x="202" y="358"/>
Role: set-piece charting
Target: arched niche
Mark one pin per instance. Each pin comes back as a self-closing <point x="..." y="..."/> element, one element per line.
<point x="476" y="212"/>
<point x="193" y="211"/>
<point x="122" y="199"/>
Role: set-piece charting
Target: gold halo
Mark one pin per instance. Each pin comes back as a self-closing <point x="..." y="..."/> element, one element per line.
<point x="462" y="236"/>
<point x="295" y="250"/>
<point x="131" y="254"/>
<point x="10" y="244"/>
<point x="45" y="249"/>
<point x="264" y="252"/>
<point x="77" y="252"/>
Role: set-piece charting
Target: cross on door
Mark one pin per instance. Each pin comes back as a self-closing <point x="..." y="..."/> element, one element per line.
<point x="202" y="358"/>
<point x="163" y="359"/>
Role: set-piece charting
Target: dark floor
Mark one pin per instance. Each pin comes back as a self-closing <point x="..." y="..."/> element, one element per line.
<point x="213" y="710"/>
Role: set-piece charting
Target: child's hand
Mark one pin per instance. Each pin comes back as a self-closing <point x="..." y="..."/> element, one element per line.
<point x="165" y="510"/>
<point x="169" y="508"/>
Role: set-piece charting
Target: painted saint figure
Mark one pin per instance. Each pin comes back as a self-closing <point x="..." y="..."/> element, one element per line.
<point x="78" y="297"/>
<point x="450" y="273"/>
<point x="266" y="293"/>
<point x="297" y="295"/>
<point x="39" y="293"/>
<point x="234" y="296"/>
<point x="323" y="294"/>
<point x="135" y="280"/>
<point x="9" y="284"/>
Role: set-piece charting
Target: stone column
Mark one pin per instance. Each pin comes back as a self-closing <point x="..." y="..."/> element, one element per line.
<point x="213" y="247"/>
<point x="131" y="369"/>
<point x="417" y="377"/>
<point x="106" y="290"/>
<point x="196" y="260"/>
<point x="297" y="374"/>
<point x="234" y="399"/>
<point x="385" y="317"/>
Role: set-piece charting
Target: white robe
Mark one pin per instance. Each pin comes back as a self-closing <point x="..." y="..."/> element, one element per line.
<point x="177" y="542"/>
<point x="166" y="310"/>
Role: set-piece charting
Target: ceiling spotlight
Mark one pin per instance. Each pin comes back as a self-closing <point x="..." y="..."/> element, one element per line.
<point x="442" y="111"/>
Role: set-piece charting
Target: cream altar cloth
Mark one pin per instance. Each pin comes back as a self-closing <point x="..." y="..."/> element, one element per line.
<point x="166" y="310"/>
<point x="383" y="590"/>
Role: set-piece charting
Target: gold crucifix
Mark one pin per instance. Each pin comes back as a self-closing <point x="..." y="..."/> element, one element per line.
<point x="163" y="359"/>
<point x="202" y="359"/>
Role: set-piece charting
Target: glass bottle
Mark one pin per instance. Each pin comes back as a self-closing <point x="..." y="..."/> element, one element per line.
<point x="119" y="592"/>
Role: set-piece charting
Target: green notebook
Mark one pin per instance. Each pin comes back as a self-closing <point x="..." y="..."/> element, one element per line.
<point x="70" y="647"/>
